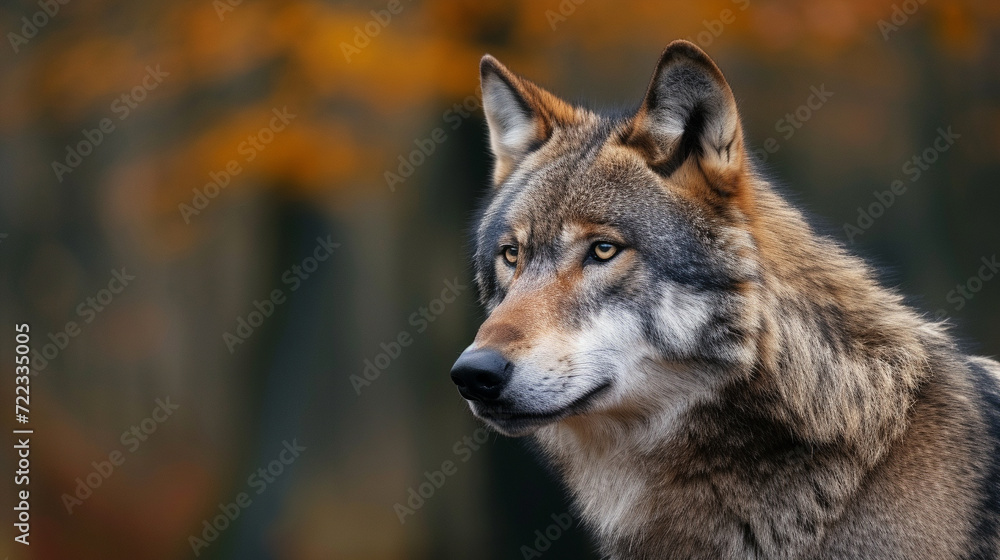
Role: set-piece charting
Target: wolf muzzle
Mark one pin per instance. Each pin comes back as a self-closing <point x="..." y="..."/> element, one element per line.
<point x="481" y="374"/>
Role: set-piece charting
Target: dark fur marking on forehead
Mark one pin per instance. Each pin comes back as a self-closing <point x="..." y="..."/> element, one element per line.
<point x="553" y="183"/>
<point x="579" y="146"/>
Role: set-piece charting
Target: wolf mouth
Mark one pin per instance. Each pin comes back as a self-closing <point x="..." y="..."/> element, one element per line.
<point x="526" y="418"/>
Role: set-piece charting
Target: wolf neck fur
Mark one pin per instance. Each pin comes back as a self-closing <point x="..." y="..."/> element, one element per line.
<point x="839" y="360"/>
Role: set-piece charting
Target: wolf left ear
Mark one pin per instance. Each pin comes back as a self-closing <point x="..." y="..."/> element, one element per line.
<point x="689" y="111"/>
<point x="521" y="116"/>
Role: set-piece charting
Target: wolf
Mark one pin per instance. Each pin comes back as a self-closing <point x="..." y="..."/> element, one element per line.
<point x="710" y="377"/>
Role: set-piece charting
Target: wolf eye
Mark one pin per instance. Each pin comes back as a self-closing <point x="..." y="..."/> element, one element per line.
<point x="510" y="254"/>
<point x="603" y="251"/>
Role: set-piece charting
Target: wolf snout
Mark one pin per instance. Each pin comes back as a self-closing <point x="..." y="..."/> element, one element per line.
<point x="481" y="374"/>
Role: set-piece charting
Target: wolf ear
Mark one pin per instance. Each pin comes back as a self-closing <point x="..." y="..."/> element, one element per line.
<point x="520" y="115"/>
<point x="689" y="111"/>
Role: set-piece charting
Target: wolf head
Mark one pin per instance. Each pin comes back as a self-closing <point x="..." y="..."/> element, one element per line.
<point x="614" y="254"/>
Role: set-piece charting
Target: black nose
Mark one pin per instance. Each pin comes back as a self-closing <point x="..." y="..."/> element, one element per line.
<point x="481" y="374"/>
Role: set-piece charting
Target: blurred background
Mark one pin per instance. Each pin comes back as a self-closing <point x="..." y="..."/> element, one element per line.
<point x="237" y="230"/>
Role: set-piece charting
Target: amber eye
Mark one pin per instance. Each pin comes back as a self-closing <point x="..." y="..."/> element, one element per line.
<point x="603" y="251"/>
<point x="510" y="254"/>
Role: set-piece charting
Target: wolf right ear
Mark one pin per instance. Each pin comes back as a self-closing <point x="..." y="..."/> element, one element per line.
<point x="689" y="111"/>
<point x="521" y="116"/>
